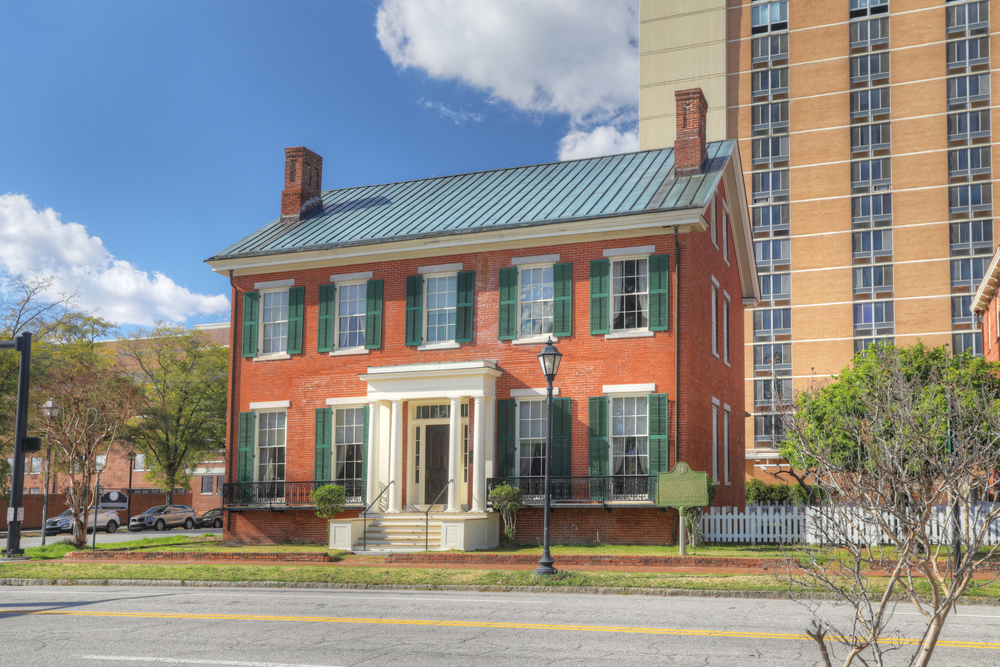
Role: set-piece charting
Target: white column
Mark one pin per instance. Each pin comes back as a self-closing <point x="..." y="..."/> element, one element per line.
<point x="455" y="456"/>
<point x="479" y="457"/>
<point x="373" y="419"/>
<point x="396" y="457"/>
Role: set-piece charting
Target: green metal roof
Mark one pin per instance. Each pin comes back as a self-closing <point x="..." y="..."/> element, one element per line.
<point x="609" y="186"/>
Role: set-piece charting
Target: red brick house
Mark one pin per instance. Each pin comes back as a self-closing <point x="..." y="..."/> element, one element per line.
<point x="986" y="309"/>
<point x="388" y="334"/>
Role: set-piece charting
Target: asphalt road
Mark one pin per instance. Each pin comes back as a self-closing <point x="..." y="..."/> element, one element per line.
<point x="122" y="535"/>
<point x="49" y="626"/>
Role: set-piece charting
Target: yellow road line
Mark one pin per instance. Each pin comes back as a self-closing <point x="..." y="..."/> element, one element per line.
<point x="468" y="624"/>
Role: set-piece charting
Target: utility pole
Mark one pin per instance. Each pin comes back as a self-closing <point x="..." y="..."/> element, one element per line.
<point x="22" y="445"/>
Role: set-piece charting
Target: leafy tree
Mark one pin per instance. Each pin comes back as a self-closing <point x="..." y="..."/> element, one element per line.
<point x="184" y="378"/>
<point x="902" y="438"/>
<point x="329" y="499"/>
<point x="507" y="500"/>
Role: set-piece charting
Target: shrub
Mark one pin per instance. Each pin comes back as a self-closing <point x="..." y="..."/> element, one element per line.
<point x="329" y="500"/>
<point x="692" y="516"/>
<point x="507" y="500"/>
<point x="759" y="493"/>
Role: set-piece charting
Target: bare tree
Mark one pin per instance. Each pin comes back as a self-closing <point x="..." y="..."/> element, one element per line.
<point x="903" y="446"/>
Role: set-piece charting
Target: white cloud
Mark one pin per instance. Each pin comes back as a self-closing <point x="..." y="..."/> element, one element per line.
<point x="458" y="116"/>
<point x="574" y="57"/>
<point x="113" y="288"/>
<point x="602" y="140"/>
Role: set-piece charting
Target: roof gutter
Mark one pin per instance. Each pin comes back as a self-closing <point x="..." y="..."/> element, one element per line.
<point x="677" y="346"/>
<point x="232" y="379"/>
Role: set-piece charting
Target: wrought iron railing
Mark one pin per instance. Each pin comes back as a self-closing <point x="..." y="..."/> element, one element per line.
<point x="581" y="489"/>
<point x="286" y="494"/>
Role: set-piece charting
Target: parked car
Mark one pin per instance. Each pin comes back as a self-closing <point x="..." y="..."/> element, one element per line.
<point x="106" y="520"/>
<point x="210" y="519"/>
<point x="163" y="517"/>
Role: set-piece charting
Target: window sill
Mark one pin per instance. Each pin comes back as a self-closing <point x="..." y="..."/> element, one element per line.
<point x="273" y="357"/>
<point x="346" y="352"/>
<point x="716" y="354"/>
<point x="638" y="333"/>
<point x="534" y="340"/>
<point x="446" y="345"/>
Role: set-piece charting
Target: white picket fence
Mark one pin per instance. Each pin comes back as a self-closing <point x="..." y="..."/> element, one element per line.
<point x="771" y="524"/>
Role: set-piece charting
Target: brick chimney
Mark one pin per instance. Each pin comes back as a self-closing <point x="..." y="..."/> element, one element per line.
<point x="690" y="154"/>
<point x="303" y="184"/>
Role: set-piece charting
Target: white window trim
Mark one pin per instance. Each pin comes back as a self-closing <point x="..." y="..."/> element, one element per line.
<point x="337" y="350"/>
<point x="641" y="332"/>
<point x="448" y="270"/>
<point x="532" y="392"/>
<point x="212" y="492"/>
<point x="260" y="322"/>
<point x="535" y="339"/>
<point x="714" y="304"/>
<point x="534" y="259"/>
<point x="624" y="253"/>
<point x="440" y="268"/>
<point x="348" y="401"/>
<point x="713" y="222"/>
<point x="727" y="421"/>
<point x="726" y="305"/>
<point x="725" y="232"/>
<point x="351" y="277"/>
<point x="270" y="405"/>
<point x="715" y="439"/>
<point x="625" y="394"/>
<point x="631" y="333"/>
<point x="631" y="389"/>
<point x="143" y="464"/>
<point x="540" y="339"/>
<point x="274" y="285"/>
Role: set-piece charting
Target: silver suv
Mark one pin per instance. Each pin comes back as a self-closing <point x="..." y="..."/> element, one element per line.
<point x="163" y="517"/>
<point x="106" y="520"/>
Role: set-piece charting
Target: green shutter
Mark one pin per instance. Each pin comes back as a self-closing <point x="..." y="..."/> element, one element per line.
<point x="414" y="309"/>
<point x="464" y="302"/>
<point x="508" y="303"/>
<point x="659" y="300"/>
<point x="250" y="301"/>
<point x="659" y="418"/>
<point x="600" y="270"/>
<point x="561" y="437"/>
<point x="296" y="304"/>
<point x="506" y="427"/>
<point x="597" y="419"/>
<point x="364" y="446"/>
<point x="244" y="451"/>
<point x="324" y="437"/>
<point x="373" y="314"/>
<point x="562" y="305"/>
<point x="327" y="312"/>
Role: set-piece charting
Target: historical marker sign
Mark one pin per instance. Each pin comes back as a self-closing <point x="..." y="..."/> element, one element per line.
<point x="682" y="487"/>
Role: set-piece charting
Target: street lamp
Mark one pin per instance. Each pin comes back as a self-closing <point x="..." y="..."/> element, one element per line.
<point x="128" y="501"/>
<point x="51" y="411"/>
<point x="22" y="445"/>
<point x="549" y="359"/>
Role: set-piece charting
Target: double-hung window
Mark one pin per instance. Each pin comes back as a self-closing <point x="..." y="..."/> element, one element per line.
<point x="521" y="434"/>
<point x="439" y="304"/>
<point x="628" y="294"/>
<point x="628" y="441"/>
<point x="715" y="317"/>
<point x="270" y="445"/>
<point x="536" y="301"/>
<point x="531" y="435"/>
<point x="273" y="320"/>
<point x="629" y="435"/>
<point x="341" y="446"/>
<point x="350" y="314"/>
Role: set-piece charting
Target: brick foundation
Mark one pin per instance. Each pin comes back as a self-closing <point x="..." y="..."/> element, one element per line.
<point x="630" y="525"/>
<point x="265" y="527"/>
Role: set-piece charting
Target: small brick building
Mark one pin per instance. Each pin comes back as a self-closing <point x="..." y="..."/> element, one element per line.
<point x="387" y="339"/>
<point x="986" y="309"/>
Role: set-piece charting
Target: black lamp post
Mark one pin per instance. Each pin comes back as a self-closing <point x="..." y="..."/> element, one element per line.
<point x="51" y="410"/>
<point x="22" y="445"/>
<point x="549" y="358"/>
<point x="128" y="501"/>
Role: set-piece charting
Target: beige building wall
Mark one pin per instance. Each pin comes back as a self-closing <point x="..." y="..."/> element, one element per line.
<point x="680" y="41"/>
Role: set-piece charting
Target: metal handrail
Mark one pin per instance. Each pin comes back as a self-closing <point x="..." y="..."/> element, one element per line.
<point x="427" y="520"/>
<point x="364" y="514"/>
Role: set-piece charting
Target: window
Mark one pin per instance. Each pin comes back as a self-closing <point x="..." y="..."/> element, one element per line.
<point x="873" y="280"/>
<point x="140" y="462"/>
<point x="771" y="252"/>
<point x="772" y="392"/>
<point x="968" y="200"/>
<point x="769" y="81"/>
<point x="531" y="434"/>
<point x="465" y="451"/>
<point x="535" y="297"/>
<point x="870" y="68"/>
<point x="36" y="466"/>
<point x="770" y="47"/>
<point x="969" y="162"/>
<point x="865" y="139"/>
<point x="861" y="344"/>
<point x="206" y="485"/>
<point x="873" y="246"/>
<point x="629" y="294"/>
<point x="768" y="16"/>
<point x="971" y="238"/>
<point x="867" y="103"/>
<point x="102" y="460"/>
<point x="725" y="236"/>
<point x="869" y="6"/>
<point x="442" y="314"/>
<point x="968" y="19"/>
<point x="768" y="430"/>
<point x="771" y="186"/>
<point x="771" y="149"/>
<point x="713" y="225"/>
<point x="969" y="125"/>
<point x="715" y="319"/>
<point x="769" y="118"/>
<point x="871" y="211"/>
<point x="726" y="418"/>
<point x="629" y="435"/>
<point x="351" y="299"/>
<point x="715" y="442"/>
<point x="968" y="52"/>
<point x="870" y="33"/>
<point x="961" y="312"/>
<point x="874" y="318"/>
<point x="439" y="308"/>
<point x="219" y="480"/>
<point x="964" y="90"/>
<point x="770" y="217"/>
<point x="768" y="323"/>
<point x="871" y="175"/>
<point x="775" y="357"/>
<point x="416" y="455"/>
<point x="348" y="442"/>
<point x="968" y="342"/>
<point x="725" y="329"/>
<point x="536" y="301"/>
<point x="274" y="317"/>
<point x="776" y="286"/>
<point x="968" y="272"/>
<point x="270" y="447"/>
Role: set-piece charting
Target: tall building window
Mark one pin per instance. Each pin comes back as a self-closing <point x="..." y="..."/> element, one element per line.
<point x="968" y="125"/>
<point x="971" y="238"/>
<point x="964" y="90"/>
<point x="769" y="81"/>
<point x="770" y="118"/>
<point x="769" y="430"/>
<point x="873" y="282"/>
<point x="968" y="52"/>
<point x="968" y="19"/>
<point x="870" y="103"/>
<point x="961" y="312"/>
<point x="965" y="201"/>
<point x="968" y="342"/>
<point x="770" y="186"/>
<point x="867" y="139"/>
<point x="769" y="48"/>
<point x="768" y="16"/>
<point x="771" y="322"/>
<point x="968" y="273"/>
<point x="871" y="175"/>
<point x="860" y="8"/>
<point x="871" y="211"/>
<point x="968" y="162"/>
<point x="776" y="286"/>
<point x="874" y="246"/>
<point x="874" y="318"/>
<point x="774" y="357"/>
<point x="869" y="33"/>
<point x="770" y="149"/>
<point x="871" y="68"/>
<point x="772" y="252"/>
<point x="770" y="217"/>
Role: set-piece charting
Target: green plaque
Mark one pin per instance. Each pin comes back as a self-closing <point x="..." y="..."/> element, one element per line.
<point x="682" y="487"/>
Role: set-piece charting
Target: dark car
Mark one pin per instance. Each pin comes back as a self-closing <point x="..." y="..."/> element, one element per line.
<point x="163" y="517"/>
<point x="210" y="519"/>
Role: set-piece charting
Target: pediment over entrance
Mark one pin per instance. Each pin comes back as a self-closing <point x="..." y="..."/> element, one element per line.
<point x="438" y="380"/>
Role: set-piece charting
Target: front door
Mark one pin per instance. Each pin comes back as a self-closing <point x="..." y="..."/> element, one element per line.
<point x="437" y="463"/>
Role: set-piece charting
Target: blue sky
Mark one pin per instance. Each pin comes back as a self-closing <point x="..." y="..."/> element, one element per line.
<point x="159" y="128"/>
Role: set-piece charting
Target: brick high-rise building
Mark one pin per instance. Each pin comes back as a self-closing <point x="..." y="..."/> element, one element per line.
<point x="865" y="130"/>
